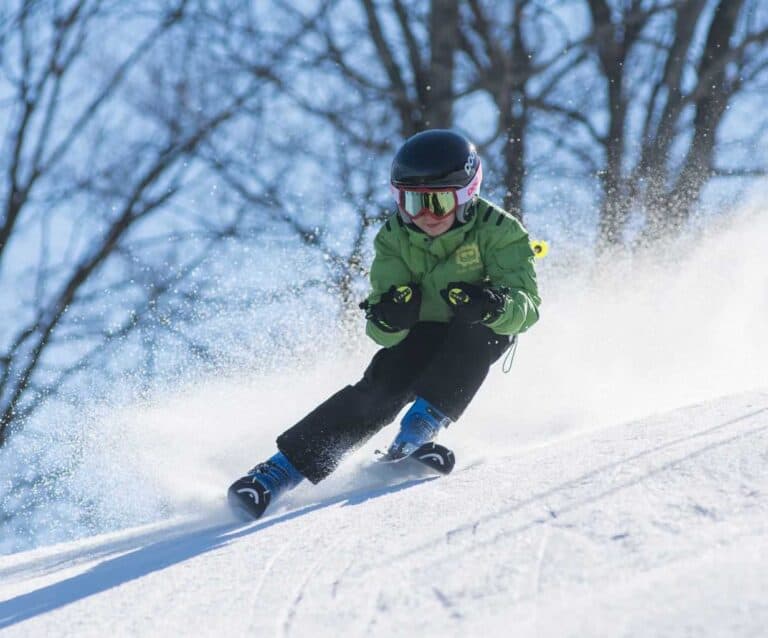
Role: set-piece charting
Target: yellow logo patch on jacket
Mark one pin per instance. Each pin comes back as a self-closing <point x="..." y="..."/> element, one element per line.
<point x="468" y="257"/>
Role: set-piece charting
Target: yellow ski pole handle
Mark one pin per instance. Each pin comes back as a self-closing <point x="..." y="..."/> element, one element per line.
<point x="540" y="248"/>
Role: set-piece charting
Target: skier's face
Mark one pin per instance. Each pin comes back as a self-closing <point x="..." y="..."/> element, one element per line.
<point x="434" y="226"/>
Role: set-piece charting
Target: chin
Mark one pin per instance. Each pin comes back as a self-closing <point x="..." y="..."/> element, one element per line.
<point x="434" y="231"/>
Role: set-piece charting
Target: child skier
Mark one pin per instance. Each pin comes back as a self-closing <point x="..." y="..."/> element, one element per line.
<point x="453" y="281"/>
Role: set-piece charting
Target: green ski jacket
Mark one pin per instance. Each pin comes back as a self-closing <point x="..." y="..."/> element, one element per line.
<point x="492" y="248"/>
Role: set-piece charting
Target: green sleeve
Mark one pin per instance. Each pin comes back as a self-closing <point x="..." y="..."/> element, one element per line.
<point x="388" y="269"/>
<point x="510" y="264"/>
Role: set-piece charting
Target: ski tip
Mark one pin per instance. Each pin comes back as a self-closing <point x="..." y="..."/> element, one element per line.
<point x="437" y="457"/>
<point x="248" y="500"/>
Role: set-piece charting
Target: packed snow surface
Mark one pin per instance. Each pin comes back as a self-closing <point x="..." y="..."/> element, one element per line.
<point x="655" y="527"/>
<point x="615" y="483"/>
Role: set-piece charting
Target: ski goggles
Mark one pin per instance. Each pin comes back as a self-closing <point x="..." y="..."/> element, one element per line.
<point x="437" y="203"/>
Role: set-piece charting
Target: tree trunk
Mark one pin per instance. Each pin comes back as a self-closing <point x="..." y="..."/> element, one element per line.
<point x="515" y="122"/>
<point x="444" y="35"/>
<point x="673" y="210"/>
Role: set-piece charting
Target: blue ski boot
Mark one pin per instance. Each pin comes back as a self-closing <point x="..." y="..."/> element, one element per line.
<point x="419" y="426"/>
<point x="250" y="495"/>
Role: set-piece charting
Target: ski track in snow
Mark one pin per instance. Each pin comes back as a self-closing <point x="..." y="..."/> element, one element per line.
<point x="657" y="527"/>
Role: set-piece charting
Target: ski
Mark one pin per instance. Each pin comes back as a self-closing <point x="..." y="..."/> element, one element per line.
<point x="436" y="457"/>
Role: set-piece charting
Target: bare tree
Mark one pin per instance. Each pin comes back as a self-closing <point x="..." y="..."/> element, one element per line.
<point x="676" y="67"/>
<point x="101" y="145"/>
<point x="99" y="148"/>
<point x="584" y="75"/>
<point x="502" y="65"/>
<point x="732" y="56"/>
<point x="357" y="116"/>
<point x="412" y="48"/>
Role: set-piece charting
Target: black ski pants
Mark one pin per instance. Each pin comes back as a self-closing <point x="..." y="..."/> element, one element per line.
<point x="444" y="363"/>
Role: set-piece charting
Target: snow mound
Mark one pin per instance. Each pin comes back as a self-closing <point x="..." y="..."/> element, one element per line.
<point x="655" y="527"/>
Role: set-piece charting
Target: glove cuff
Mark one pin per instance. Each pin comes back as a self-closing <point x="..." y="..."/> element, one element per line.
<point x="495" y="300"/>
<point x="381" y="325"/>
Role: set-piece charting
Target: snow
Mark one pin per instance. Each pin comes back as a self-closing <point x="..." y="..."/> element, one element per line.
<point x="654" y="527"/>
<point x="615" y="483"/>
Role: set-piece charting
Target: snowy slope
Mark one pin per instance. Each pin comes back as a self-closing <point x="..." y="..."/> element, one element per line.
<point x="657" y="527"/>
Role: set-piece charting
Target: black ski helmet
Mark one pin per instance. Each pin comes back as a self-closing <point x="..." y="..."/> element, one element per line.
<point x="438" y="158"/>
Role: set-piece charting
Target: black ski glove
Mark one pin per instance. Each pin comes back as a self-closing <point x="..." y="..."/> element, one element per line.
<point x="472" y="303"/>
<point x="398" y="308"/>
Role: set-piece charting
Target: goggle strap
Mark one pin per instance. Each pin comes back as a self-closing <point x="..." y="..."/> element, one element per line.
<point x="463" y="195"/>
